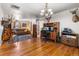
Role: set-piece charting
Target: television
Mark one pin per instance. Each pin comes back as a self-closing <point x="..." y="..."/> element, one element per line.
<point x="45" y="28"/>
<point x="48" y="28"/>
<point x="52" y="29"/>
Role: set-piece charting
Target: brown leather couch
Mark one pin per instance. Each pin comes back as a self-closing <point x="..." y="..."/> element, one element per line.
<point x="21" y="32"/>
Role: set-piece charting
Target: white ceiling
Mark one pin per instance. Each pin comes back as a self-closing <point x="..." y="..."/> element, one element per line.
<point x="33" y="9"/>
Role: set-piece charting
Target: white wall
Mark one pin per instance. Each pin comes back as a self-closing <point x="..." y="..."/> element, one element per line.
<point x="1" y="28"/>
<point x="65" y="19"/>
<point x="1" y="12"/>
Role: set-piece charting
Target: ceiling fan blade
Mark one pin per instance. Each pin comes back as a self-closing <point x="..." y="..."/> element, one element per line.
<point x="15" y="6"/>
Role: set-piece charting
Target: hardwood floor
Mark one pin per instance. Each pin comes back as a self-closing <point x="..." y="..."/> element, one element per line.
<point x="36" y="47"/>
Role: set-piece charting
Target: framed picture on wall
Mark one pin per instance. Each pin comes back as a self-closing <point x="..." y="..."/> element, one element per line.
<point x="24" y="24"/>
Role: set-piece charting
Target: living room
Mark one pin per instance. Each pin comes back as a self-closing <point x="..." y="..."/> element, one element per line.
<point x="42" y="29"/>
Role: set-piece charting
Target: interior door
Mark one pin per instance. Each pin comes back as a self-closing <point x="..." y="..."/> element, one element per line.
<point x="34" y="30"/>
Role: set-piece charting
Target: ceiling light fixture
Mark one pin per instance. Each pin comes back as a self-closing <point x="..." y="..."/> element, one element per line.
<point x="47" y="13"/>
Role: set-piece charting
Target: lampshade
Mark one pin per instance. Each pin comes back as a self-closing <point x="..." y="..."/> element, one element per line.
<point x="42" y="11"/>
<point x="50" y="10"/>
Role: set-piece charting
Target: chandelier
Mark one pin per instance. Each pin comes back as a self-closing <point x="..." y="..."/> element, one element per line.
<point x="46" y="13"/>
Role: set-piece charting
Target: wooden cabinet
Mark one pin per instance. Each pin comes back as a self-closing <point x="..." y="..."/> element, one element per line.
<point x="53" y="36"/>
<point x="56" y="29"/>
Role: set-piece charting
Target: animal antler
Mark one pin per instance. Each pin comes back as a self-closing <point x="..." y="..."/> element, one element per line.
<point x="75" y="17"/>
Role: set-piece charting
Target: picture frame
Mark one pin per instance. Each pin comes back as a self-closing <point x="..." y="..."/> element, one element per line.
<point x="24" y="24"/>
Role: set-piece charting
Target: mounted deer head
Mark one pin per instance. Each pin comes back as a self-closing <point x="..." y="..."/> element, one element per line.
<point x="75" y="17"/>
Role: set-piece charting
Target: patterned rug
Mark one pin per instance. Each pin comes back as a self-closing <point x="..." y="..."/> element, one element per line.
<point x="17" y="38"/>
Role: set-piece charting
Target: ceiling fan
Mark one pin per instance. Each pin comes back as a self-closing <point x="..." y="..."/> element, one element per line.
<point x="15" y="7"/>
<point x="75" y="17"/>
